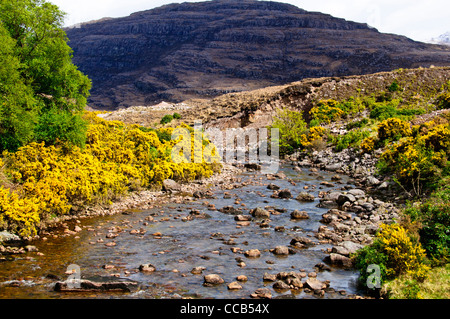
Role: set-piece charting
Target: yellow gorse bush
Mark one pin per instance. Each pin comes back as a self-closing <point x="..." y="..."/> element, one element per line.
<point x="314" y="133"/>
<point x="117" y="158"/>
<point x="393" y="129"/>
<point x="403" y="256"/>
<point x="326" y="111"/>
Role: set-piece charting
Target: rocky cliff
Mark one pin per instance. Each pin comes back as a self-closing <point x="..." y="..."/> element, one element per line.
<point x="190" y="50"/>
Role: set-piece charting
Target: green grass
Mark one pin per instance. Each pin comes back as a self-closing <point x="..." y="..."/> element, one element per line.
<point x="436" y="286"/>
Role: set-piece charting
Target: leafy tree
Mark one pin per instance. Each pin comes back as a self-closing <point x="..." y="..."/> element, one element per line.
<point x="18" y="107"/>
<point x="41" y="60"/>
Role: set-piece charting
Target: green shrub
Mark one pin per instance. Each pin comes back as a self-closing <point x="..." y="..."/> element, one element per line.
<point x="166" y="119"/>
<point x="176" y="116"/>
<point x="292" y="127"/>
<point x="434" y="217"/>
<point x="383" y="111"/>
<point x="54" y="126"/>
<point x="443" y="101"/>
<point x="394" y="87"/>
<point x="351" y="139"/>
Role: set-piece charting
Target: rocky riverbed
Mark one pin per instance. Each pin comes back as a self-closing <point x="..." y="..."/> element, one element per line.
<point x="239" y="235"/>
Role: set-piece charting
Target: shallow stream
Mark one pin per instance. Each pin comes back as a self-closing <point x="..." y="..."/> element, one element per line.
<point x="204" y="241"/>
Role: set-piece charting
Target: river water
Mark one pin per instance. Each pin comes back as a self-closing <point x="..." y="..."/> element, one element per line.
<point x="185" y="244"/>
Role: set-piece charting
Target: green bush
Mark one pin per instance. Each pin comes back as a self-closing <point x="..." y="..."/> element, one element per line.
<point x="394" y="87"/>
<point x="166" y="119"/>
<point x="434" y="217"/>
<point x="351" y="139"/>
<point x="176" y="116"/>
<point x="291" y="126"/>
<point x="383" y="111"/>
<point x="64" y="126"/>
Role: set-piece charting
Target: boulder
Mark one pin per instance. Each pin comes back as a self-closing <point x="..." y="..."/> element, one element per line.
<point x="169" y="185"/>
<point x="358" y="193"/>
<point x="260" y="213"/>
<point x="280" y="285"/>
<point x="252" y="253"/>
<point x="296" y="214"/>
<point x="284" y="193"/>
<point x="234" y="286"/>
<point x="314" y="284"/>
<point x="281" y="250"/>
<point x="197" y="270"/>
<point x="263" y="293"/>
<point x="147" y="268"/>
<point x="343" y="198"/>
<point x="305" y="197"/>
<point x="337" y="259"/>
<point x="212" y="279"/>
<point x="301" y="241"/>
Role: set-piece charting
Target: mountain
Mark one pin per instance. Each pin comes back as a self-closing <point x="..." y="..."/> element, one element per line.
<point x="202" y="50"/>
<point x="443" y="39"/>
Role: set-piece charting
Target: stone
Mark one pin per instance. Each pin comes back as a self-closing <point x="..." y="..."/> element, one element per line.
<point x="314" y="284"/>
<point x="7" y="237"/>
<point x="242" y="278"/>
<point x="296" y="283"/>
<point x="230" y="210"/>
<point x="281" y="250"/>
<point x="263" y="293"/>
<point x="337" y="259"/>
<point x="284" y="193"/>
<point x="343" y="198"/>
<point x="300" y="240"/>
<point x="197" y="270"/>
<point x="147" y="268"/>
<point x="351" y="247"/>
<point x="234" y="286"/>
<point x="169" y="185"/>
<point x="242" y="218"/>
<point x="305" y="197"/>
<point x="253" y="253"/>
<point x="260" y="213"/>
<point x="296" y="214"/>
<point x="358" y="193"/>
<point x="280" y="285"/>
<point x="273" y="187"/>
<point x="269" y="277"/>
<point x="213" y="279"/>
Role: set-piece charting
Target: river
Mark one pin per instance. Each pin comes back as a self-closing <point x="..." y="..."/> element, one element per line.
<point x="175" y="245"/>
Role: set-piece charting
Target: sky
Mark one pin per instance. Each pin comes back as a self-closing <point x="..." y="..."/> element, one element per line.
<point x="418" y="20"/>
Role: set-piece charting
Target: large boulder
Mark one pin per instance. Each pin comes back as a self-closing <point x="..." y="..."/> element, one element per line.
<point x="169" y="185"/>
<point x="259" y="212"/>
<point x="305" y="197"/>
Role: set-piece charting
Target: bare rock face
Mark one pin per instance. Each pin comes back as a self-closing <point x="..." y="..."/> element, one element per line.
<point x="206" y="49"/>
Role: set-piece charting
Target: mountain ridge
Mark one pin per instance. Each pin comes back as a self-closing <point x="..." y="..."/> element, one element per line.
<point x="201" y="50"/>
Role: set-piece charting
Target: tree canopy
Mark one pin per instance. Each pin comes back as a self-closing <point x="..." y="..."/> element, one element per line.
<point x="42" y="93"/>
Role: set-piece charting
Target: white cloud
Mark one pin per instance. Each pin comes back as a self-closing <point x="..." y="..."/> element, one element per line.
<point x="419" y="20"/>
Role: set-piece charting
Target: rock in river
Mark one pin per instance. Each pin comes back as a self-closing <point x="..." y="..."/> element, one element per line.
<point x="212" y="279"/>
<point x="296" y="214"/>
<point x="305" y="197"/>
<point x="260" y="213"/>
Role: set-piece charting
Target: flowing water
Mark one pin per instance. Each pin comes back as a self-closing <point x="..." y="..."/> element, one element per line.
<point x="183" y="245"/>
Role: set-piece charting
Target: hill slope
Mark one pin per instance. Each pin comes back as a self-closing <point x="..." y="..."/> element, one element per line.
<point x="190" y="50"/>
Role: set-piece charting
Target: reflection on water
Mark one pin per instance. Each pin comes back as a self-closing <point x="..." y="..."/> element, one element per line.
<point x="182" y="245"/>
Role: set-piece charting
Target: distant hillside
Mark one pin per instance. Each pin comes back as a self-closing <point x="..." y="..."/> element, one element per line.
<point x="256" y="108"/>
<point x="202" y="50"/>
